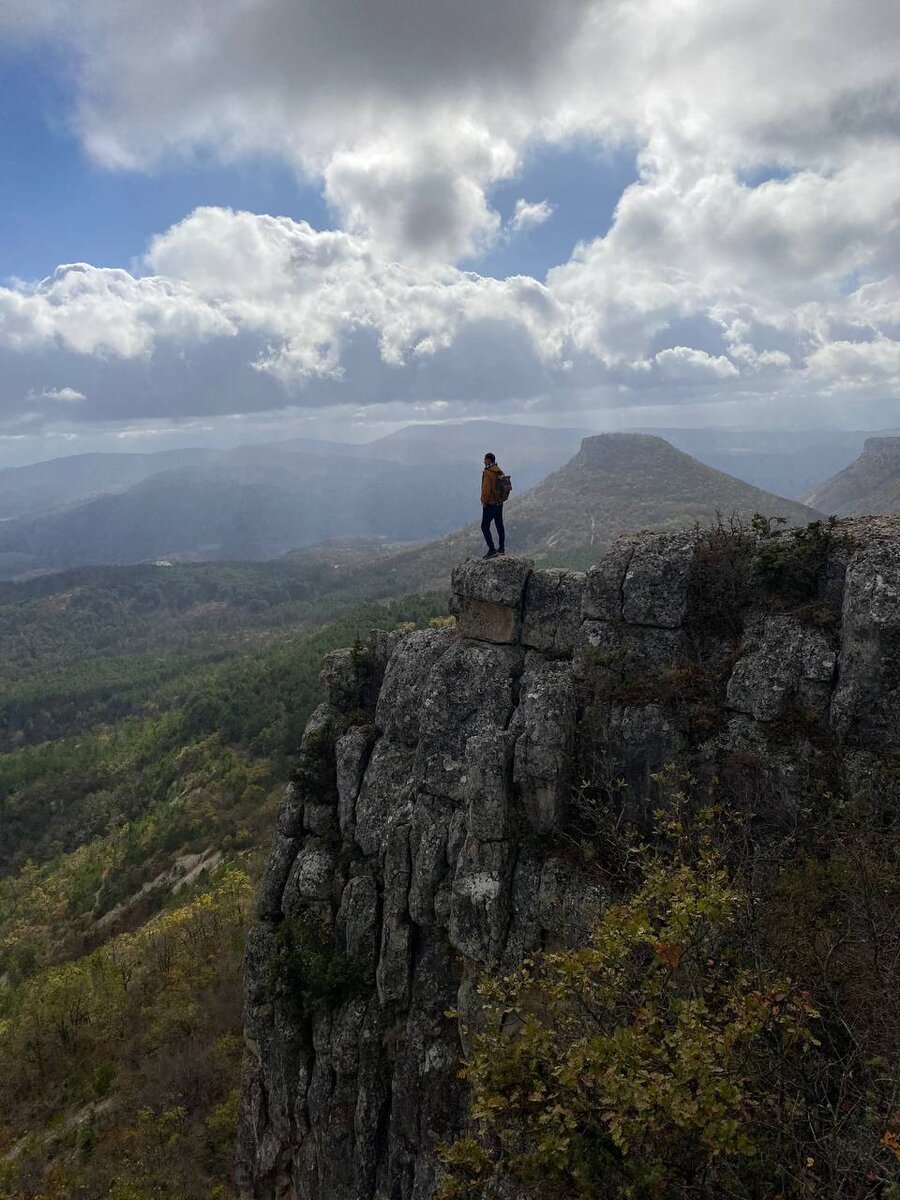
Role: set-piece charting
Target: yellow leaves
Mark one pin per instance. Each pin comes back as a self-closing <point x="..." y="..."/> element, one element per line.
<point x="669" y="955"/>
<point x="891" y="1141"/>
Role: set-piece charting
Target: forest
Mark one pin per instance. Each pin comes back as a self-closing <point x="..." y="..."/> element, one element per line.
<point x="148" y="720"/>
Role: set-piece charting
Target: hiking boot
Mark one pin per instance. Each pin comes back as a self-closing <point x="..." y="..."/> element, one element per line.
<point x="501" y="551"/>
<point x="490" y="554"/>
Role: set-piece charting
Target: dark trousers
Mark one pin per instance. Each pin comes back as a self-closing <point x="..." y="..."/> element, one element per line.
<point x="493" y="512"/>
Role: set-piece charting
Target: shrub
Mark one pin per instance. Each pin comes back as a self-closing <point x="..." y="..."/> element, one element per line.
<point x="308" y="974"/>
<point x="640" y="1063"/>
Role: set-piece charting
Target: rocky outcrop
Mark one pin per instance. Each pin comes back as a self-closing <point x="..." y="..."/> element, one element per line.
<point x="432" y="826"/>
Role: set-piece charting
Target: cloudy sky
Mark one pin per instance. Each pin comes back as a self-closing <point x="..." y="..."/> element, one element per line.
<point x="231" y="219"/>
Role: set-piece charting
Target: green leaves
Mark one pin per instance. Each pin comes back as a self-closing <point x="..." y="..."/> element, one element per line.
<point x="636" y="1062"/>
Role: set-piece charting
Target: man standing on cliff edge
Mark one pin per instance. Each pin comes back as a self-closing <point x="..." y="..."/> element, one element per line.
<point x="492" y="497"/>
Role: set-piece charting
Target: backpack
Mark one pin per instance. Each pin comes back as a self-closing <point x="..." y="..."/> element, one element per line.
<point x="502" y="488"/>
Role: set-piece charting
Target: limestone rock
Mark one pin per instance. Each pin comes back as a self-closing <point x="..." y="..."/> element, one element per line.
<point x="479" y="908"/>
<point x="602" y="599"/>
<point x="545" y="727"/>
<point x="789" y="662"/>
<point x="281" y="859"/>
<point x="553" y="611"/>
<point x="442" y="841"/>
<point x="656" y="583"/>
<point x="489" y="760"/>
<point x="290" y="813"/>
<point x="487" y="597"/>
<point x="399" y="705"/>
<point x="351" y="757"/>
<point x="470" y="691"/>
<point x="866" y="704"/>
<point x="385" y="795"/>
<point x="394" y="961"/>
<point x="310" y="879"/>
<point x="358" y="919"/>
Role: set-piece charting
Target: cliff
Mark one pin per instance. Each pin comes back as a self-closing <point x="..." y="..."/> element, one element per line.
<point x="431" y="831"/>
<point x="871" y="483"/>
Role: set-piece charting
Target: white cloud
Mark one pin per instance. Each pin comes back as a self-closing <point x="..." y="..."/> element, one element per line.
<point x="408" y="114"/>
<point x="63" y="395"/>
<point x="528" y="215"/>
<point x="683" y="364"/>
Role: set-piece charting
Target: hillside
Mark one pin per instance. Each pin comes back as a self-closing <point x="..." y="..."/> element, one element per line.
<point x="257" y="500"/>
<point x="617" y="483"/>
<point x="146" y="719"/>
<point x="252" y="505"/>
<point x="787" y="462"/>
<point x="42" y="486"/>
<point x="870" y="485"/>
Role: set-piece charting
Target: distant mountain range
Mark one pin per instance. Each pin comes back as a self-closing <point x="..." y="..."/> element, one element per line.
<point x="617" y="483"/>
<point x="258" y="501"/>
<point x="414" y="485"/>
<point x="786" y="462"/>
<point x="45" y="486"/>
<point x="869" y="486"/>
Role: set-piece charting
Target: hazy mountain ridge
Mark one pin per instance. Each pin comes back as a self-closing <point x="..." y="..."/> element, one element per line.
<point x="617" y="483"/>
<point x="868" y="486"/>
<point x="261" y="500"/>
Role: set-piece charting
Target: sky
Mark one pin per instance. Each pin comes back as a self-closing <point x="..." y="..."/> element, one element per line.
<point x="249" y="219"/>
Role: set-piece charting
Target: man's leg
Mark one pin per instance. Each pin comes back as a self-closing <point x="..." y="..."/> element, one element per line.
<point x="486" y="527"/>
<point x="501" y="533"/>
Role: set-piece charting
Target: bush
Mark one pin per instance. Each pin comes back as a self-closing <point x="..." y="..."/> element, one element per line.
<point x="731" y="1028"/>
<point x="308" y="974"/>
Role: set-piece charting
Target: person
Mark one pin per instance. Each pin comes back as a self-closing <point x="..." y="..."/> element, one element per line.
<point x="492" y="507"/>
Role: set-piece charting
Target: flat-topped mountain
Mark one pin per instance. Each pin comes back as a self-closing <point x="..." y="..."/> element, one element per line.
<point x="869" y="486"/>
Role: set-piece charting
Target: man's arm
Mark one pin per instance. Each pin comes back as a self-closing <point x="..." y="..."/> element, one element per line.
<point x="486" y="488"/>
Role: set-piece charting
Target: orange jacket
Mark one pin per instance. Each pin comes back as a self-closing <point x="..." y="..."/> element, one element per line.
<point x="489" y="485"/>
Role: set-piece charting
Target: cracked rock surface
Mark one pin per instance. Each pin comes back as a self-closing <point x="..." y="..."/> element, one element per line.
<point x="433" y="835"/>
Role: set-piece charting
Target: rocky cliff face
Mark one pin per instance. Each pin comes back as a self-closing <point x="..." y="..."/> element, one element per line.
<point x="431" y="832"/>
<point x="871" y="484"/>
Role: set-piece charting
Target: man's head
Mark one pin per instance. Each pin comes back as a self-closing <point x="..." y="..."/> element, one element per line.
<point x="490" y="459"/>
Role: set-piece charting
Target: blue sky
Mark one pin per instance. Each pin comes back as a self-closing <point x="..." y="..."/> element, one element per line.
<point x="60" y="207"/>
<point x="183" y="144"/>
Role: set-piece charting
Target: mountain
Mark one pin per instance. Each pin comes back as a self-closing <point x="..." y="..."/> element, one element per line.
<point x="254" y="503"/>
<point x="870" y="485"/>
<point x="786" y="462"/>
<point x="259" y="500"/>
<point x="530" y="452"/>
<point x="616" y="483"/>
<point x="42" y="486"/>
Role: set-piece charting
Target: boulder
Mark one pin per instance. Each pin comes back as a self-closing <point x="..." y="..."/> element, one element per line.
<point x="486" y="596"/>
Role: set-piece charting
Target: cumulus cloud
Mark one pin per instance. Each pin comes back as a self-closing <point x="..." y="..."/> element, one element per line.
<point x="63" y="395"/>
<point x="529" y="214"/>
<point x="758" y="252"/>
<point x="684" y="364"/>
